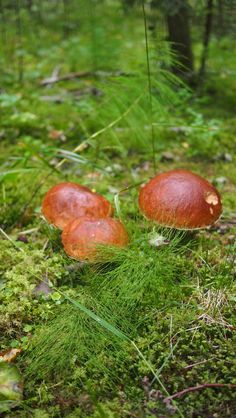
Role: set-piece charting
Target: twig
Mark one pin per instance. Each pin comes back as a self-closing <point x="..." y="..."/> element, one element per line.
<point x="189" y="366"/>
<point x="29" y="231"/>
<point x="203" y="386"/>
<point x="209" y="320"/>
<point x="55" y="75"/>
<point x="83" y="74"/>
<point x="9" y="239"/>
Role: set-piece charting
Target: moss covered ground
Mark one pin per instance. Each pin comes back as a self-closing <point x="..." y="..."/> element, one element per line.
<point x="170" y="309"/>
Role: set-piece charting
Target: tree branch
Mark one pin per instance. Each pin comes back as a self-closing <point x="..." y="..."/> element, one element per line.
<point x="203" y="386"/>
<point x="82" y="74"/>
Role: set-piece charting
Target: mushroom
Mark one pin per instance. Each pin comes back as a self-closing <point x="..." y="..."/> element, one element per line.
<point x="82" y="236"/>
<point x="67" y="201"/>
<point x="180" y="199"/>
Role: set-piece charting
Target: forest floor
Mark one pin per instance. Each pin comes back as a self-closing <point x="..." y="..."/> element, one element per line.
<point x="175" y="303"/>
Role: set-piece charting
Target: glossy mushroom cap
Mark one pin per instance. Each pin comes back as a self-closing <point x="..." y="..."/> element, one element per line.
<point x="180" y="199"/>
<point x="82" y="236"/>
<point x="67" y="201"/>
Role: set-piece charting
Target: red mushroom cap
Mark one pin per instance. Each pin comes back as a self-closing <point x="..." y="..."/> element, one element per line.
<point x="67" y="201"/>
<point x="81" y="236"/>
<point x="180" y="199"/>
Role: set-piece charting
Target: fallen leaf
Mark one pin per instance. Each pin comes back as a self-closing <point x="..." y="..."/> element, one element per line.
<point x="220" y="181"/>
<point x="10" y="354"/>
<point x="167" y="156"/>
<point x="58" y="135"/>
<point x="42" y="288"/>
<point x="22" y="238"/>
<point x="11" y="384"/>
<point x="94" y="175"/>
<point x="224" y="156"/>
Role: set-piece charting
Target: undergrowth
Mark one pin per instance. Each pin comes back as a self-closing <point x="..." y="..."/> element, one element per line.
<point x="122" y="292"/>
<point x="114" y="339"/>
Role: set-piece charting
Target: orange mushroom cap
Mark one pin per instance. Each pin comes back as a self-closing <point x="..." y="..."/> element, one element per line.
<point x="180" y="199"/>
<point x="67" y="201"/>
<point x="82" y="236"/>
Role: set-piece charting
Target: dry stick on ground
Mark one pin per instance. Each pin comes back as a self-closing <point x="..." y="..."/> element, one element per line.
<point x="203" y="386"/>
<point x="83" y="74"/>
<point x="54" y="76"/>
<point x="190" y="366"/>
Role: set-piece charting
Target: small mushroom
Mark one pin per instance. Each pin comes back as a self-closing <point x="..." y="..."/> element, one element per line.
<point x="82" y="236"/>
<point x="180" y="199"/>
<point x="67" y="201"/>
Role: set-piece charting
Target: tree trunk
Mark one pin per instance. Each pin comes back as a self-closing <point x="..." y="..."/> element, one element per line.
<point x="128" y="5"/>
<point x="220" y="18"/>
<point x="65" y="5"/>
<point x="206" y="38"/>
<point x="179" y="36"/>
<point x="29" y="5"/>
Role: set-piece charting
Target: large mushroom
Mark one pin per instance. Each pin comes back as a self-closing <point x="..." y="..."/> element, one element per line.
<point x="180" y="199"/>
<point x="82" y="237"/>
<point x="67" y="201"/>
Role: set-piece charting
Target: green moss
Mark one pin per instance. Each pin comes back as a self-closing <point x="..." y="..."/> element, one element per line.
<point x="21" y="271"/>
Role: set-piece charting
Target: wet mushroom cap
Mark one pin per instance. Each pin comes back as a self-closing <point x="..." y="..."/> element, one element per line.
<point x="67" y="201"/>
<point x="82" y="236"/>
<point x="180" y="199"/>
